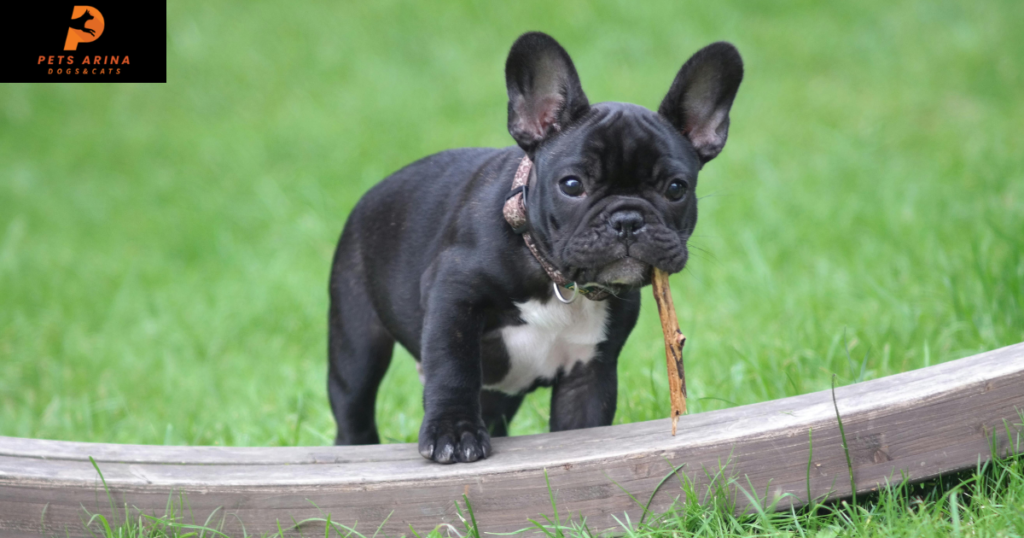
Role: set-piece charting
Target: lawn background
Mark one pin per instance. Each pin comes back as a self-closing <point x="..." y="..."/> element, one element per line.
<point x="164" y="249"/>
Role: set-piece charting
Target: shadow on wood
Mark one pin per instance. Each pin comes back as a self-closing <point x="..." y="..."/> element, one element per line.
<point x="918" y="424"/>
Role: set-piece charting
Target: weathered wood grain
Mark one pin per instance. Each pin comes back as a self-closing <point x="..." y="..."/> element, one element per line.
<point x="919" y="424"/>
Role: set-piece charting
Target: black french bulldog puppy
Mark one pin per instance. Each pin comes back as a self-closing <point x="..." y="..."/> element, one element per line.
<point x="427" y="259"/>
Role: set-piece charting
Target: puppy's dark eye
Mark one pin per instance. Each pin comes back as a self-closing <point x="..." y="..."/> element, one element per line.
<point x="571" y="186"/>
<point x="676" y="190"/>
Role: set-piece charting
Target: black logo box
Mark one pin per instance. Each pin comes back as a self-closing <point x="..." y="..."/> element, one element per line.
<point x="34" y="28"/>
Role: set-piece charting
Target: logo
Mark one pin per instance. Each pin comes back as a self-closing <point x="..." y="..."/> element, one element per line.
<point x="86" y="26"/>
<point x="73" y="41"/>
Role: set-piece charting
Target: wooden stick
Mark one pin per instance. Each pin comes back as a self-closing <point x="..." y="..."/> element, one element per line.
<point x="674" y="341"/>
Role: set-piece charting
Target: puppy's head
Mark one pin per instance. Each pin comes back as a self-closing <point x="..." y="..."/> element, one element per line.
<point x="613" y="188"/>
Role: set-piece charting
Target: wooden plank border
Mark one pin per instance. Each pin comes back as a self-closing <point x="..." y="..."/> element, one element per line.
<point x="917" y="424"/>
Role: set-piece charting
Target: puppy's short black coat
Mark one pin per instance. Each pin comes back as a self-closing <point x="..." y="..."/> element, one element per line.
<point x="426" y="258"/>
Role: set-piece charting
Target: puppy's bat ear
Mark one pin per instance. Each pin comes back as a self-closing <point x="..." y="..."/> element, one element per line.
<point x="699" y="100"/>
<point x="544" y="92"/>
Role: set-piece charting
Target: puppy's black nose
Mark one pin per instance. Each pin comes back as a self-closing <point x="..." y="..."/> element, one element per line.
<point x="626" y="223"/>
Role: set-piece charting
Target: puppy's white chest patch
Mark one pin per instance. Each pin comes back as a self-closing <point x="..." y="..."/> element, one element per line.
<point x="554" y="338"/>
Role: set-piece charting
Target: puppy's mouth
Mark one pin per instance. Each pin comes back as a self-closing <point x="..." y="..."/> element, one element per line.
<point x="595" y="258"/>
<point x="621" y="275"/>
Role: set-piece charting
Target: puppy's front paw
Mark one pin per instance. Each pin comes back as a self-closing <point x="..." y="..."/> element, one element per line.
<point x="447" y="440"/>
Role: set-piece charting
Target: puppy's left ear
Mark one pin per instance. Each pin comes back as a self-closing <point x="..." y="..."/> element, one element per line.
<point x="699" y="100"/>
<point x="544" y="92"/>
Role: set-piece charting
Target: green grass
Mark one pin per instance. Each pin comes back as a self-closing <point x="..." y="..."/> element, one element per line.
<point x="164" y="250"/>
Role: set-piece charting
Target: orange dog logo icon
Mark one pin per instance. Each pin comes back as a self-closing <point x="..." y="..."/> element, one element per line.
<point x="78" y="32"/>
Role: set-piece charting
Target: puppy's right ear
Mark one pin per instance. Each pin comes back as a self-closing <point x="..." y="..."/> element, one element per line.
<point x="544" y="92"/>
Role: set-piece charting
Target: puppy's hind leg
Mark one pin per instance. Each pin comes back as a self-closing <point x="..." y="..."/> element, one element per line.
<point x="359" y="351"/>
